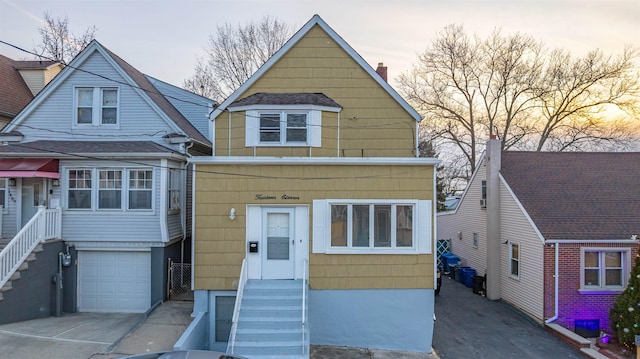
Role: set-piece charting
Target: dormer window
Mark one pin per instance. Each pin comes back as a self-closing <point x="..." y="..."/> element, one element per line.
<point x="96" y="106"/>
<point x="283" y="128"/>
<point x="284" y="119"/>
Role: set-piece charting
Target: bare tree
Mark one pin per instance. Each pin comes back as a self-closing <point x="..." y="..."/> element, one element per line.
<point x="510" y="87"/>
<point x="58" y="43"/>
<point x="234" y="53"/>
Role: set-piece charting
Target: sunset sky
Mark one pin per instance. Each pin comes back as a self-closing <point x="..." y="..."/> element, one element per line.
<point x="163" y="38"/>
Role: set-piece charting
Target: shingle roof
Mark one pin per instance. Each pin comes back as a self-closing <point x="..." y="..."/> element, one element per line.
<point x="159" y="99"/>
<point x="14" y="92"/>
<point x="261" y="98"/>
<point x="56" y="148"/>
<point x="577" y="195"/>
<point x="33" y="65"/>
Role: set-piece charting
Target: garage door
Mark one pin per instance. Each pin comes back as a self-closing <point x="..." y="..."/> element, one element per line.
<point x="114" y="281"/>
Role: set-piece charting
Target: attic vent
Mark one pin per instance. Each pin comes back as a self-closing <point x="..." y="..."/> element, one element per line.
<point x="483" y="203"/>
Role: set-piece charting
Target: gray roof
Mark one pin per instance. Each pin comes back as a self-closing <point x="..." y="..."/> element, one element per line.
<point x="81" y="148"/>
<point x="577" y="195"/>
<point x="159" y="99"/>
<point x="261" y="98"/>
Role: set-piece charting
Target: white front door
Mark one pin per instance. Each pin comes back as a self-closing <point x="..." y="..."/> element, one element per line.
<point x="278" y="243"/>
<point x="32" y="197"/>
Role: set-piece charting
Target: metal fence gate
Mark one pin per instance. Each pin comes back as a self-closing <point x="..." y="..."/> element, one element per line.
<point x="179" y="278"/>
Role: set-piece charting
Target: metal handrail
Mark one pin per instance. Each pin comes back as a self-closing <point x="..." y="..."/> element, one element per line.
<point x="45" y="224"/>
<point x="305" y="270"/>
<point x="236" y="309"/>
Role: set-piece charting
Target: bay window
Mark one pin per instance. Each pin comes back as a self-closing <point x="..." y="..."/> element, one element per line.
<point x="109" y="189"/>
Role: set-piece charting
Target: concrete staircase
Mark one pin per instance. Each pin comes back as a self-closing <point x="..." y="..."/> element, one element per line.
<point x="270" y="321"/>
<point x="23" y="267"/>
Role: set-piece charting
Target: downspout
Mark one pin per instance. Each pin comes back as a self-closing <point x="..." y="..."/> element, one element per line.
<point x="556" y="285"/>
<point x="338" y="134"/>
<point x="184" y="213"/>
<point x="229" y="138"/>
<point x="164" y="232"/>
<point x="417" y="149"/>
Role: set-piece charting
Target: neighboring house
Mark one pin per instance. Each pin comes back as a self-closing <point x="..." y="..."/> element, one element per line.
<point x="103" y="150"/>
<point x="315" y="176"/>
<point x="20" y="81"/>
<point x="554" y="232"/>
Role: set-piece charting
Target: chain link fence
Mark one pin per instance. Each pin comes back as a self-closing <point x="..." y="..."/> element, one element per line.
<point x="179" y="287"/>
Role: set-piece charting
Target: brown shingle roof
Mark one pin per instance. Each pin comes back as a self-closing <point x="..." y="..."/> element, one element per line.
<point x="33" y="65"/>
<point x="261" y="98"/>
<point x="577" y="195"/>
<point x="14" y="92"/>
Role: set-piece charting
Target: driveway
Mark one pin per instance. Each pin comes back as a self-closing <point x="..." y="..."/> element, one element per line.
<point x="471" y="326"/>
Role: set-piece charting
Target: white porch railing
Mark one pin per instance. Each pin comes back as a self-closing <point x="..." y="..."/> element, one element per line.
<point x="45" y="224"/>
<point x="236" y="308"/>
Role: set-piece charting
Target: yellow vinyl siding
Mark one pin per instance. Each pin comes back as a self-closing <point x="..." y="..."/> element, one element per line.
<point x="372" y="123"/>
<point x="220" y="243"/>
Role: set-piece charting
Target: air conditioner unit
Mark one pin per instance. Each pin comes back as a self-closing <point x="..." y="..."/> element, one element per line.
<point x="483" y="203"/>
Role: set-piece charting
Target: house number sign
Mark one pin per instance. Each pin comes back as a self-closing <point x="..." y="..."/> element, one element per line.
<point x="286" y="197"/>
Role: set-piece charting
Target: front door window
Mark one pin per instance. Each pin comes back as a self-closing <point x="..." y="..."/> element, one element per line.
<point x="278" y="261"/>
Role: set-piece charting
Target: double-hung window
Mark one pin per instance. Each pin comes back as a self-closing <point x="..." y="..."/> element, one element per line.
<point x="174" y="189"/>
<point x="283" y="128"/>
<point x="110" y="189"/>
<point x="371" y="227"/>
<point x="604" y="269"/>
<point x="514" y="260"/>
<point x="79" y="189"/>
<point x="140" y="189"/>
<point x="96" y="106"/>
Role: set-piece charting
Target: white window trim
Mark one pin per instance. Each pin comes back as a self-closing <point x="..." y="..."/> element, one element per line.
<point x="95" y="188"/>
<point x="422" y="228"/>
<point x="314" y="126"/>
<point x="603" y="289"/>
<point x="96" y="117"/>
<point x="519" y="260"/>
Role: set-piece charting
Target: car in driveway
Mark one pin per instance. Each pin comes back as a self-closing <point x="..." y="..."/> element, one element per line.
<point x="184" y="354"/>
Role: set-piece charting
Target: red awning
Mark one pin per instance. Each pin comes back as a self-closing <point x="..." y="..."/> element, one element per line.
<point x="29" y="167"/>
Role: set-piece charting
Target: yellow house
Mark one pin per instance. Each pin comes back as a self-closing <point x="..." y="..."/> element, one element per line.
<point x="314" y="203"/>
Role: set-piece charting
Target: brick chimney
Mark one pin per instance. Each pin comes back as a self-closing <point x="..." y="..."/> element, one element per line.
<point x="382" y="71"/>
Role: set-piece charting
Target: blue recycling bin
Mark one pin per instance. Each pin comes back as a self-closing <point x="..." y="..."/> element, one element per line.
<point x="469" y="273"/>
<point x="461" y="271"/>
<point x="448" y="260"/>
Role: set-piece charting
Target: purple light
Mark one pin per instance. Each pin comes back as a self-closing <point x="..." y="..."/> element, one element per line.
<point x="606" y="339"/>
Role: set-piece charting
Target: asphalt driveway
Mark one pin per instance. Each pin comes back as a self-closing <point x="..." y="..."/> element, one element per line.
<point x="471" y="326"/>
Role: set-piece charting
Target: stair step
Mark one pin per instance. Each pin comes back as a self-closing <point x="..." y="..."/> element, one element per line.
<point x="268" y="348"/>
<point x="39" y="248"/>
<point x="31" y="257"/>
<point x="15" y="276"/>
<point x="23" y="266"/>
<point x="274" y="284"/>
<point x="7" y="287"/>
<point x="268" y="335"/>
<point x="268" y="324"/>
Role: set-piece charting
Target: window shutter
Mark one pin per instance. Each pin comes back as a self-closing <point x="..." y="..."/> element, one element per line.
<point x="319" y="226"/>
<point x="251" y="128"/>
<point x="424" y="227"/>
<point x="315" y="128"/>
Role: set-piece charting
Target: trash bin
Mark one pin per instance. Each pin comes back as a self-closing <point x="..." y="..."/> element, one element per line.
<point x="461" y="271"/>
<point x="468" y="277"/>
<point x="448" y="260"/>
<point x="478" y="284"/>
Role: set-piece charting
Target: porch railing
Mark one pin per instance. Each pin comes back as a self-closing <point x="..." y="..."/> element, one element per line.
<point x="236" y="308"/>
<point x="45" y="224"/>
<point x="305" y="319"/>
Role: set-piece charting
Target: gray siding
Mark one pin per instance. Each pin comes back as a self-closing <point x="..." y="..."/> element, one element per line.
<point x="137" y="119"/>
<point x="193" y="107"/>
<point x="174" y="225"/>
<point x="118" y="225"/>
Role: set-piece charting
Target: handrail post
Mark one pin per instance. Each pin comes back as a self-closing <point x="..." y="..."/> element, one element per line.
<point x="42" y="223"/>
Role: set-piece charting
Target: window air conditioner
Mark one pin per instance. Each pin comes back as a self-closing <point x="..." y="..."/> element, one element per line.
<point x="483" y="203"/>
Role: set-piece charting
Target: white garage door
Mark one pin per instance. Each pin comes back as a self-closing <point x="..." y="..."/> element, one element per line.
<point x="114" y="281"/>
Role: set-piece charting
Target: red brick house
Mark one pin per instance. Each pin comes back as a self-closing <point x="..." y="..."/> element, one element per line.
<point x="555" y="233"/>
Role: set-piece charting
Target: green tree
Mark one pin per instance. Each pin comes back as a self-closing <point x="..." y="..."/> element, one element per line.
<point x="625" y="314"/>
